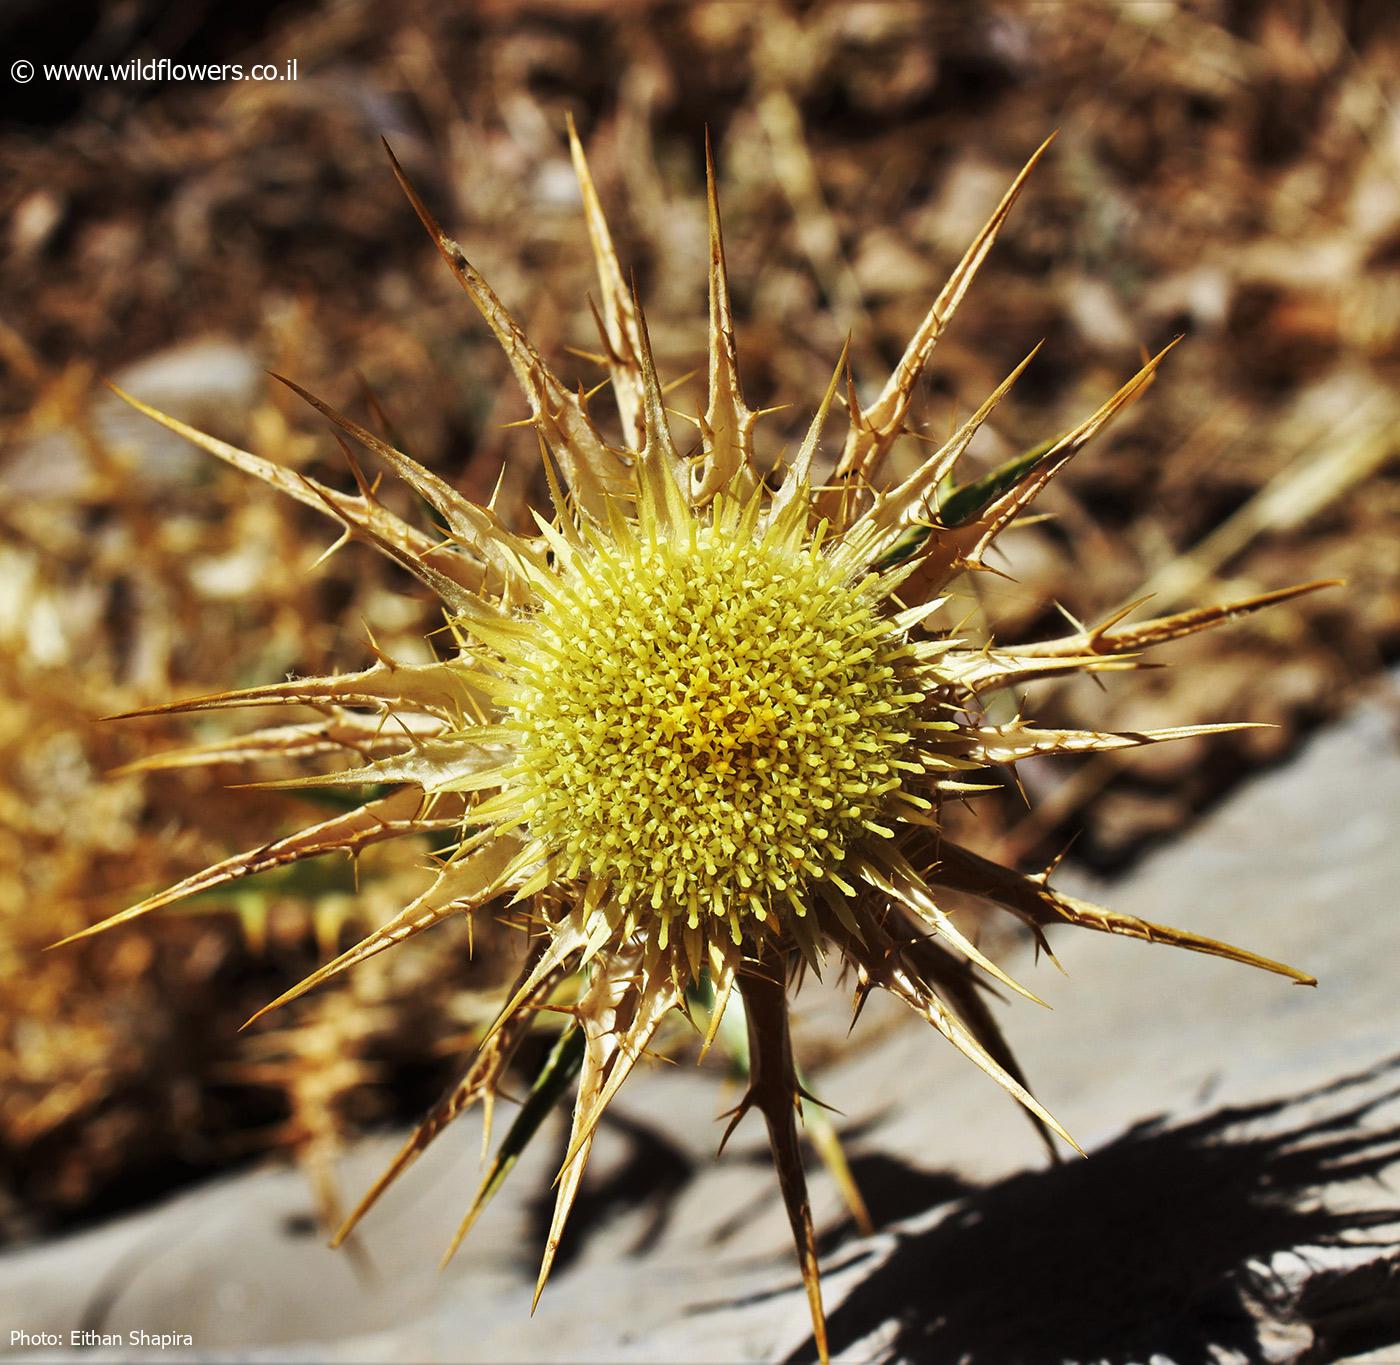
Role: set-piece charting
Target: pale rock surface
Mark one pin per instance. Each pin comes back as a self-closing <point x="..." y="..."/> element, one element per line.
<point x="1235" y="1206"/>
<point x="205" y="382"/>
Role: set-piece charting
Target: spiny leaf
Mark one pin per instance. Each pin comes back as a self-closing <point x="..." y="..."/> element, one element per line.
<point x="731" y="1028"/>
<point x="451" y="689"/>
<point x="395" y="815"/>
<point x="462" y="884"/>
<point x="775" y="1091"/>
<point x="1016" y="742"/>
<point x="660" y="449"/>
<point x="1005" y="507"/>
<point x="962" y="988"/>
<point x="888" y="965"/>
<point x="728" y="424"/>
<point x="911" y="504"/>
<point x="617" y="1020"/>
<point x="560" y="1070"/>
<point x="797" y="479"/>
<point x="997" y="668"/>
<point x="874" y="431"/>
<point x="466" y="761"/>
<point x="964" y="870"/>
<point x="593" y="469"/>
<point x="473" y="528"/>
<point x="364" y="513"/>
<point x="481" y="1081"/>
<point x="964" y="546"/>
<point x="618" y="321"/>
<point x="1103" y="639"/>
<point x="341" y="732"/>
<point x="655" y="995"/>
<point x="890" y="872"/>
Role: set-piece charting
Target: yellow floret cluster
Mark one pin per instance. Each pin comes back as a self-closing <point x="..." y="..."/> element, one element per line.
<point x="708" y="724"/>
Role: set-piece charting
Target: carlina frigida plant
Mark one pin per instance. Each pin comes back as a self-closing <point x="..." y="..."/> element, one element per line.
<point x="694" y="731"/>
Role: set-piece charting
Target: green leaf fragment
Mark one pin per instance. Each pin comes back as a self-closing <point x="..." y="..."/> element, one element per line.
<point x="556" y="1077"/>
<point x="966" y="503"/>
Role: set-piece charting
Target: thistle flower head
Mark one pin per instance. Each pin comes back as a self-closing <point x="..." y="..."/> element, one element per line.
<point x="711" y="716"/>
<point x="698" y="728"/>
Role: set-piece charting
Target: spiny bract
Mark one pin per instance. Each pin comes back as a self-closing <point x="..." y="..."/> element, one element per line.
<point x="697" y="730"/>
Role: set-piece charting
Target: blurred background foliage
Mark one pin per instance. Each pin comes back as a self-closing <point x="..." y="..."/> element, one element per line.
<point x="1226" y="169"/>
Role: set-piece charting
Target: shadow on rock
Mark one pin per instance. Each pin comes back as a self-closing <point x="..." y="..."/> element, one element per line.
<point x="1157" y="1246"/>
<point x="653" y="1174"/>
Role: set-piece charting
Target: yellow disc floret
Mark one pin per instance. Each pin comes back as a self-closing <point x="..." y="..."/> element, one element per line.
<point x="710" y="721"/>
